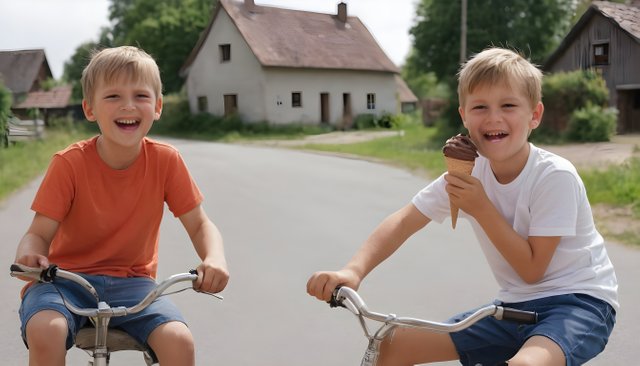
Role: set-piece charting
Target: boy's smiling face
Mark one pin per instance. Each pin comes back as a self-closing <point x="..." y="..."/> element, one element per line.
<point x="499" y="119"/>
<point x="125" y="111"/>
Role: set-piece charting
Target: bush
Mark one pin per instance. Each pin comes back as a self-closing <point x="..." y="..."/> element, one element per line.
<point x="369" y="120"/>
<point x="5" y="110"/>
<point x="565" y="92"/>
<point x="592" y="123"/>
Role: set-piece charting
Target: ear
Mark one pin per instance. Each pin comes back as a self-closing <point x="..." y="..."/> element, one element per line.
<point x="158" y="108"/>
<point x="536" y="117"/>
<point x="461" y="112"/>
<point x="88" y="111"/>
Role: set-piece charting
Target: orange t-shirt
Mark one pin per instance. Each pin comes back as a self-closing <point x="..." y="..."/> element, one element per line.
<point x="110" y="219"/>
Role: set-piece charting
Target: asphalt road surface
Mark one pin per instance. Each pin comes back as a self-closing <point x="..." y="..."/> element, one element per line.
<point x="285" y="214"/>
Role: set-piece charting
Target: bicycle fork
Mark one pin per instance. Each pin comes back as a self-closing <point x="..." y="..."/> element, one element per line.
<point x="372" y="353"/>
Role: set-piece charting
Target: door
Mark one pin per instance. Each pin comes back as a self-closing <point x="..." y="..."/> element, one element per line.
<point x="347" y="117"/>
<point x="230" y="104"/>
<point x="324" y="107"/>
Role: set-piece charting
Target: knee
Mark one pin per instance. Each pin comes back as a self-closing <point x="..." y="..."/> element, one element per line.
<point x="172" y="340"/>
<point x="47" y="332"/>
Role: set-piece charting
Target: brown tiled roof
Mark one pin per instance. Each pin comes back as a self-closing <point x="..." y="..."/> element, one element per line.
<point x="57" y="97"/>
<point x="627" y="16"/>
<point x="301" y="39"/>
<point x="404" y="93"/>
<point x="20" y="69"/>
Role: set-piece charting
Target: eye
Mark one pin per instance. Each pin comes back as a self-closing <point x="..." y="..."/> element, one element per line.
<point x="111" y="96"/>
<point x="478" y="107"/>
<point x="509" y="105"/>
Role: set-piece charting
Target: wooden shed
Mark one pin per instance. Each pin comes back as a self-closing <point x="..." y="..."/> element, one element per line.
<point x="607" y="39"/>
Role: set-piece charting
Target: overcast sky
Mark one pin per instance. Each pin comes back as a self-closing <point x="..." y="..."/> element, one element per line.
<point x="60" y="26"/>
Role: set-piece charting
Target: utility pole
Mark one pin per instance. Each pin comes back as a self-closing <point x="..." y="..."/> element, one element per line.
<point x="463" y="32"/>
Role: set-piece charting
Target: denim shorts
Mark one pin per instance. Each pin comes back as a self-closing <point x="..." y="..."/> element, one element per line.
<point x="115" y="291"/>
<point x="579" y="324"/>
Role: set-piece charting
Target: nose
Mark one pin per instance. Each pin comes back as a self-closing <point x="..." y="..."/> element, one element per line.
<point x="127" y="104"/>
<point x="495" y="115"/>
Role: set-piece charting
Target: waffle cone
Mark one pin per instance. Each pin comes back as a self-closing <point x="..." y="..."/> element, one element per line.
<point x="462" y="166"/>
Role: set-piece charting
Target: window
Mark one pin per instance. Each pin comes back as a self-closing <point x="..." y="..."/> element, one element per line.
<point x="601" y="54"/>
<point x="225" y="52"/>
<point x="371" y="101"/>
<point x="296" y="99"/>
<point x="203" y="104"/>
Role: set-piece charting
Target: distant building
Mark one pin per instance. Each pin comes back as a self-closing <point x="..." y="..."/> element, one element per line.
<point x="607" y="39"/>
<point x="288" y="66"/>
<point x="24" y="72"/>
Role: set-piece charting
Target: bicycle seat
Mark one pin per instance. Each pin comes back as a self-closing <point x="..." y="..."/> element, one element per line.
<point x="117" y="340"/>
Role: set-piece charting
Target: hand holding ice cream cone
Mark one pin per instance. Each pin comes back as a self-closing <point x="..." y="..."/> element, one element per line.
<point x="460" y="154"/>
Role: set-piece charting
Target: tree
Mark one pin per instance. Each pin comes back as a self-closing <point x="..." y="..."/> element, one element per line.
<point x="79" y="60"/>
<point x="533" y="27"/>
<point x="166" y="29"/>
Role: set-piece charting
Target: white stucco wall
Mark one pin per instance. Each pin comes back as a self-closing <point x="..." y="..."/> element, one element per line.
<point x="281" y="82"/>
<point x="264" y="94"/>
<point x="242" y="75"/>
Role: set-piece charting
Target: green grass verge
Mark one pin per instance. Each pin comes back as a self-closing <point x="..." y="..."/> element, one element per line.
<point x="410" y="149"/>
<point x="23" y="161"/>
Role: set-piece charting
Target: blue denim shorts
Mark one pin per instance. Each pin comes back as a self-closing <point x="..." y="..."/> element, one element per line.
<point x="579" y="324"/>
<point x="115" y="291"/>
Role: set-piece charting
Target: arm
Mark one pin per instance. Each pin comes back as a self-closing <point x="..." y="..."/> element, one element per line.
<point x="213" y="274"/>
<point x="384" y="241"/>
<point x="529" y="257"/>
<point x="33" y="248"/>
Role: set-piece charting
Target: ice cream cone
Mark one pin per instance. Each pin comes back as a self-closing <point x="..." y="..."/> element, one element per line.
<point x="462" y="166"/>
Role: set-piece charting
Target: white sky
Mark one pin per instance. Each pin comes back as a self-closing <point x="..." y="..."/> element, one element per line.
<point x="60" y="26"/>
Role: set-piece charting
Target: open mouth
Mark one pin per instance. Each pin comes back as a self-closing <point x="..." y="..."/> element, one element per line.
<point x="495" y="136"/>
<point x="127" y="124"/>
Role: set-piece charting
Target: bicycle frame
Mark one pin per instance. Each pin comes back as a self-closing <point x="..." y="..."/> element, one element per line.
<point x="351" y="300"/>
<point x="101" y="315"/>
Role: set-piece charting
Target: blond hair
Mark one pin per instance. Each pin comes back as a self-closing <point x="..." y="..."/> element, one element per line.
<point x="108" y="65"/>
<point x="498" y="65"/>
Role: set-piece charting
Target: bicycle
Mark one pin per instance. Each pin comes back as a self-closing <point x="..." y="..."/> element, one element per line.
<point x="97" y="339"/>
<point x="351" y="300"/>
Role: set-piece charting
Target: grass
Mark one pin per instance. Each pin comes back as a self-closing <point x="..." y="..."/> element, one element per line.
<point x="24" y="161"/>
<point x="410" y="149"/>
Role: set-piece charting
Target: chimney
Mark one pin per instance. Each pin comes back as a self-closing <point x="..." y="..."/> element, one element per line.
<point x="342" y="12"/>
<point x="250" y="5"/>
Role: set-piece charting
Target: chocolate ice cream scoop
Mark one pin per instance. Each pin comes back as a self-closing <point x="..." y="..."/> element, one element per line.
<point x="460" y="147"/>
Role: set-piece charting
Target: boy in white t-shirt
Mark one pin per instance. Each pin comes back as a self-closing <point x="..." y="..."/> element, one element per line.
<point x="530" y="213"/>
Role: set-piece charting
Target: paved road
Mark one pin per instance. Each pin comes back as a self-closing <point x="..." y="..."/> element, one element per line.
<point x="285" y="214"/>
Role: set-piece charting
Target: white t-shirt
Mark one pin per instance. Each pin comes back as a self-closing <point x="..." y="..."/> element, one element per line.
<point x="548" y="198"/>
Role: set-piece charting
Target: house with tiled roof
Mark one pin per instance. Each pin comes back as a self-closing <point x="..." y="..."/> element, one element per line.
<point x="289" y="66"/>
<point x="607" y="39"/>
<point x="24" y="73"/>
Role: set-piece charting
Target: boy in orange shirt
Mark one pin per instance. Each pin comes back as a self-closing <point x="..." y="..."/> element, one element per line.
<point x="98" y="212"/>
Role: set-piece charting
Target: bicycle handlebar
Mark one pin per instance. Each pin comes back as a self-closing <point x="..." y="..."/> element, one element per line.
<point x="52" y="272"/>
<point x="351" y="300"/>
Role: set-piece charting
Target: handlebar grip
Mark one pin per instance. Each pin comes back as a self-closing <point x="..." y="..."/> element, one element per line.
<point x="45" y="275"/>
<point x="335" y="302"/>
<point x="17" y="268"/>
<point x="520" y="316"/>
